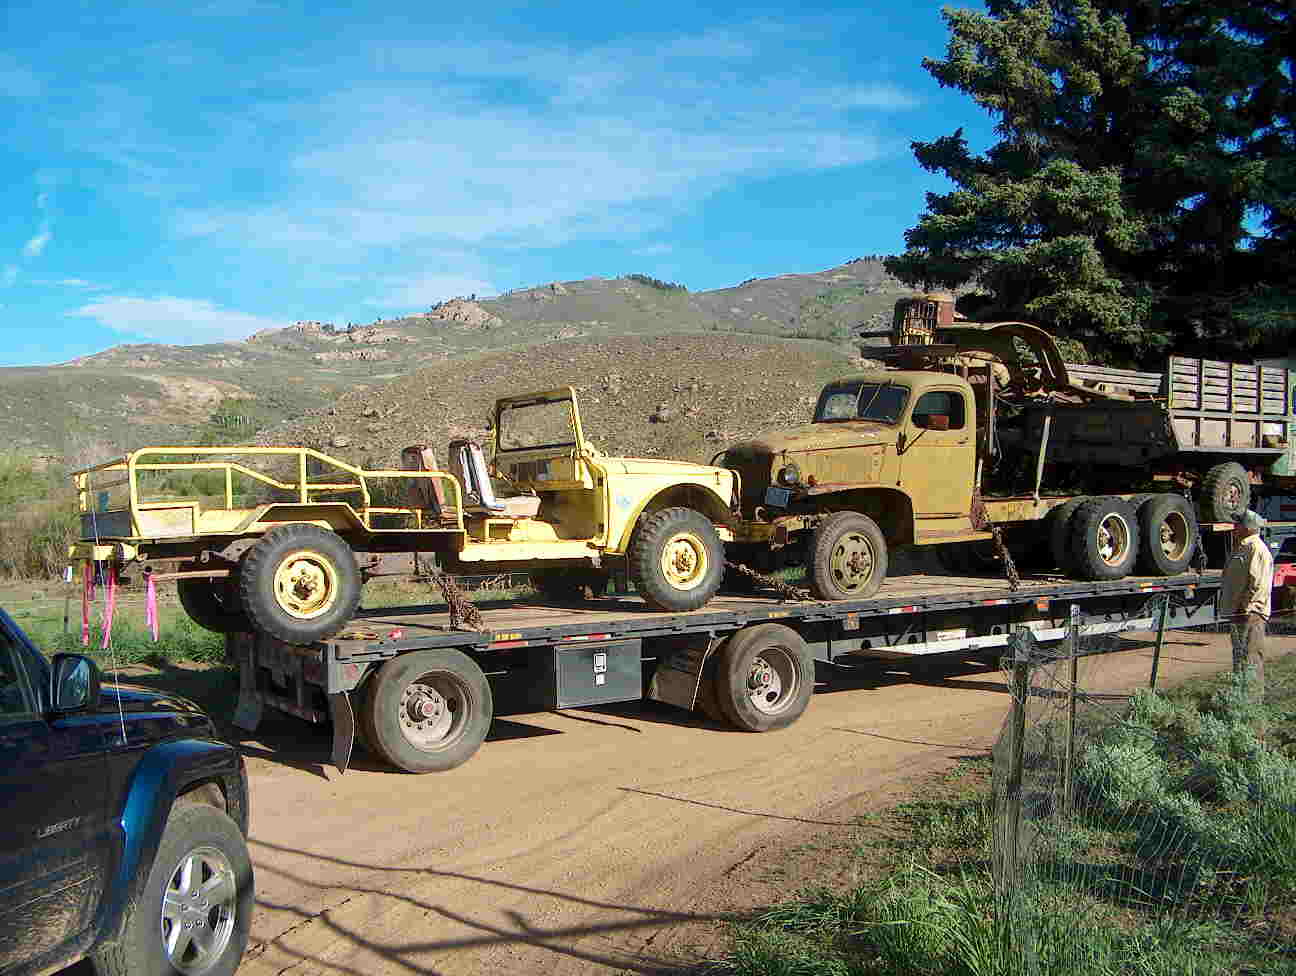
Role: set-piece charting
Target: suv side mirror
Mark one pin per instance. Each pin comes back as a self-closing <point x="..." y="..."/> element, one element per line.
<point x="74" y="683"/>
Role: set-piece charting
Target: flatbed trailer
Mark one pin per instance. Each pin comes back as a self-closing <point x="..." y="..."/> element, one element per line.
<point x="417" y="687"/>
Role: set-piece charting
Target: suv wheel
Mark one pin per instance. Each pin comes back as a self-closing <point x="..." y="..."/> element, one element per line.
<point x="194" y="911"/>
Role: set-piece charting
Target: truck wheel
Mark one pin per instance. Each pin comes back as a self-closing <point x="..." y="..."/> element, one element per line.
<point x="1059" y="533"/>
<point x="213" y="604"/>
<point x="764" y="677"/>
<point x="1169" y="535"/>
<point x="428" y="710"/>
<point x="848" y="557"/>
<point x="300" y="583"/>
<point x="677" y="559"/>
<point x="569" y="584"/>
<point x="195" y="909"/>
<point x="1104" y="539"/>
<point x="1225" y="491"/>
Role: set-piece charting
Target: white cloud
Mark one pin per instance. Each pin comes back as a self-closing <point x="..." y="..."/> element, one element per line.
<point x="181" y="321"/>
<point x="36" y="245"/>
<point x="68" y="283"/>
<point x="423" y="290"/>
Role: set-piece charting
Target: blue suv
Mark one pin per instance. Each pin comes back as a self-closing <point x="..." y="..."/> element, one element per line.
<point x="124" y="826"/>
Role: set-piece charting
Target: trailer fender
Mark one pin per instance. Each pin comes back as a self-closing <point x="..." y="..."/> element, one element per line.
<point x="678" y="677"/>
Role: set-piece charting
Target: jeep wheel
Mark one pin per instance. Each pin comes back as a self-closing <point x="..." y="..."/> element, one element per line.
<point x="427" y="711"/>
<point x="848" y="557"/>
<point x="195" y="909"/>
<point x="764" y="677"/>
<point x="677" y="559"/>
<point x="570" y="584"/>
<point x="1225" y="491"/>
<point x="213" y="604"/>
<point x="300" y="583"/>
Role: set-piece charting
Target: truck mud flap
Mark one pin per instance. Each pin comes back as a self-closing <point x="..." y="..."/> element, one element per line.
<point x="678" y="677"/>
<point x="343" y="729"/>
<point x="247" y="714"/>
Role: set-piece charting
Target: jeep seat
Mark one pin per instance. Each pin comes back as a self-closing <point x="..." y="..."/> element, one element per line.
<point x="424" y="493"/>
<point x="468" y="465"/>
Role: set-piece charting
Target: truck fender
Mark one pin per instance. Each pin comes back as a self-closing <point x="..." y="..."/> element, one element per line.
<point x="163" y="773"/>
<point x="701" y="498"/>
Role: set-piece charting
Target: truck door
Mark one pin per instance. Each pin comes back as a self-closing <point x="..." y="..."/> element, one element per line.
<point x="938" y="459"/>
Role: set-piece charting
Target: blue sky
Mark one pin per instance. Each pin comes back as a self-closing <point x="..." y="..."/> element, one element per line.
<point x="196" y="176"/>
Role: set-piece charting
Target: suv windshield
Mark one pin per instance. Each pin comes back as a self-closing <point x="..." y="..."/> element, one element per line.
<point x="543" y="423"/>
<point x="881" y="402"/>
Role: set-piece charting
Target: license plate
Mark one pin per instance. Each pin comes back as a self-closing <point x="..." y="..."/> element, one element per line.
<point x="777" y="496"/>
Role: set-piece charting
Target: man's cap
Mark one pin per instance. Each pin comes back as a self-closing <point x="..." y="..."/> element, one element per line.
<point x="1249" y="520"/>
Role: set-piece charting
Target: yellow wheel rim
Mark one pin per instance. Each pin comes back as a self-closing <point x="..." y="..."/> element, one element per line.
<point x="684" y="561"/>
<point x="306" y="584"/>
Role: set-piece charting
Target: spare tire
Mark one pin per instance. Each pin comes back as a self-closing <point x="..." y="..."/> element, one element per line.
<point x="1225" y="492"/>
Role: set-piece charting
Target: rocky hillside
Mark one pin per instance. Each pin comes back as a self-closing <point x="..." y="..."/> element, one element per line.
<point x="136" y="394"/>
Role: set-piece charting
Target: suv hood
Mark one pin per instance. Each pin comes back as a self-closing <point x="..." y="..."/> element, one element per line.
<point x="817" y="437"/>
<point x="149" y="716"/>
<point x="135" y="699"/>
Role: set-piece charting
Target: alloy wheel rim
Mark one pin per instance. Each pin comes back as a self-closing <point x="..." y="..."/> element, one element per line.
<point x="199" y="908"/>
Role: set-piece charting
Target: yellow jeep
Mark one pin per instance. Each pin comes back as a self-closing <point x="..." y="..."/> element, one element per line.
<point x="281" y="538"/>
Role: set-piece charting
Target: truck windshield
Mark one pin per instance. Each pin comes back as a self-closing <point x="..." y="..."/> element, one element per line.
<point x="881" y="402"/>
<point x="544" y="423"/>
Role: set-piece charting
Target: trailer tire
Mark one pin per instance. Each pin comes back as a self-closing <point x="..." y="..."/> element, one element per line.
<point x="427" y="711"/>
<point x="848" y="557"/>
<point x="300" y="583"/>
<point x="570" y="583"/>
<point x="1225" y="491"/>
<point x="213" y="604"/>
<point x="1168" y="535"/>
<point x="1104" y="539"/>
<point x="1059" y="534"/>
<point x="677" y="559"/>
<point x="764" y="677"/>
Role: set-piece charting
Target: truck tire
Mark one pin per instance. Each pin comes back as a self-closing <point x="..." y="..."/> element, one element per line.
<point x="677" y="559"/>
<point x="570" y="583"/>
<point x="300" y="583"/>
<point x="213" y="604"/>
<point x="428" y="711"/>
<point x="195" y="910"/>
<point x="764" y="677"/>
<point x="848" y="557"/>
<point x="1169" y="535"/>
<point x="1225" y="491"/>
<point x="1104" y="539"/>
<point x="1059" y="534"/>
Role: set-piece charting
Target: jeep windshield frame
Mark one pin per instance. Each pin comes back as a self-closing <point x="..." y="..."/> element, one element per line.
<point x="879" y="402"/>
<point x="539" y="422"/>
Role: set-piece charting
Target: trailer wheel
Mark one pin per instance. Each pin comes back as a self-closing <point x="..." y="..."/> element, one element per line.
<point x="570" y="583"/>
<point x="300" y="583"/>
<point x="427" y="711"/>
<point x="764" y="677"/>
<point x="1225" y="491"/>
<point x="848" y="557"/>
<point x="677" y="559"/>
<point x="1059" y="533"/>
<point x="213" y="604"/>
<point x="1169" y="535"/>
<point x="1104" y="539"/>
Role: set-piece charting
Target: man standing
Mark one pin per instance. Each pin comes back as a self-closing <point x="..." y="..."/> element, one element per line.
<point x="1244" y="597"/>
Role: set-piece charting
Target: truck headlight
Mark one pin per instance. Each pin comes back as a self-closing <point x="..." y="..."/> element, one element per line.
<point x="789" y="475"/>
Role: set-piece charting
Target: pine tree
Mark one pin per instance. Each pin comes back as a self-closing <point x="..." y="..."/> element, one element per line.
<point x="1142" y="193"/>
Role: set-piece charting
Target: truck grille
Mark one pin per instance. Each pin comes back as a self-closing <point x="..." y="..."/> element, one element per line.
<point x="754" y="469"/>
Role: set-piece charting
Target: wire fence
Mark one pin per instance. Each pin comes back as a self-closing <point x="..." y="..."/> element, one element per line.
<point x="1142" y="810"/>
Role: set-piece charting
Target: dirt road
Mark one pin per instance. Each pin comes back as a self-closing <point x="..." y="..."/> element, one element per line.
<point x="601" y="840"/>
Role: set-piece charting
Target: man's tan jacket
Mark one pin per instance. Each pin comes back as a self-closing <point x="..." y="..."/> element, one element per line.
<point x="1248" y="579"/>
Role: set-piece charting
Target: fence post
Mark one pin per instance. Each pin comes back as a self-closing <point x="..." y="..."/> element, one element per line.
<point x="1068" y="763"/>
<point x="1020" y="644"/>
<point x="1160" y="639"/>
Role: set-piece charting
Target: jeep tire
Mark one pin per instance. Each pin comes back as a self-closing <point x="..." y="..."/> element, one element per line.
<point x="194" y="910"/>
<point x="1225" y="491"/>
<point x="300" y="583"/>
<point x="677" y="559"/>
<point x="570" y="583"/>
<point x="213" y="604"/>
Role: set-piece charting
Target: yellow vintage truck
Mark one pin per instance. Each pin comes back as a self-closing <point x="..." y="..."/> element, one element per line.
<point x="972" y="425"/>
<point x="290" y="533"/>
